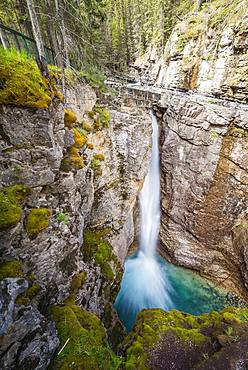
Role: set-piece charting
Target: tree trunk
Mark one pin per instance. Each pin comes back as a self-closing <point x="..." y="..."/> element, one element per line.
<point x="38" y="39"/>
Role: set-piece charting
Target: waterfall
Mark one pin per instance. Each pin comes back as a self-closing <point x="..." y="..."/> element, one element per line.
<point x="144" y="284"/>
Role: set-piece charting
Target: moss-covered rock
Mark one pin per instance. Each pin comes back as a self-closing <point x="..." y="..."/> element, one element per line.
<point x="99" y="157"/>
<point x="70" y="118"/>
<point x="86" y="346"/>
<point x="181" y="340"/>
<point x="72" y="160"/>
<point x="11" y="199"/>
<point x="22" y="83"/>
<point x="37" y="220"/>
<point x="97" y="249"/>
<point x="25" y="298"/>
<point x="11" y="269"/>
<point x="77" y="161"/>
<point x="79" y="138"/>
<point x="76" y="284"/>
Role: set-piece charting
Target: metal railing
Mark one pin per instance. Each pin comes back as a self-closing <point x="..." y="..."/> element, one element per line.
<point x="10" y="38"/>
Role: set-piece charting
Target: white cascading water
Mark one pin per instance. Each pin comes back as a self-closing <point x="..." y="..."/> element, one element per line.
<point x="144" y="284"/>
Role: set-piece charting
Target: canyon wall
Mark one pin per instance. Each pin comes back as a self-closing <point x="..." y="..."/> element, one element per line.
<point x="69" y="181"/>
<point x="204" y="145"/>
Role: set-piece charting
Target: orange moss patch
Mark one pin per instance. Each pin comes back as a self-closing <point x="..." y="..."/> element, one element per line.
<point x="90" y="146"/>
<point x="79" y="138"/>
<point x="75" y="158"/>
<point x="70" y="118"/>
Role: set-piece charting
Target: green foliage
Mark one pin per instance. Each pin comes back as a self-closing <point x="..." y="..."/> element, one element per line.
<point x="87" y="347"/>
<point x="63" y="217"/>
<point x="101" y="116"/>
<point x="95" y="79"/>
<point x="95" y="164"/>
<point x="37" y="220"/>
<point x="11" y="198"/>
<point x="11" y="269"/>
<point x="226" y="12"/>
<point x="97" y="249"/>
<point x="21" y="82"/>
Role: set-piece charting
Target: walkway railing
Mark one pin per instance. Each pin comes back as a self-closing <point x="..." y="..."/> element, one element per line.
<point x="10" y="38"/>
<point x="138" y="93"/>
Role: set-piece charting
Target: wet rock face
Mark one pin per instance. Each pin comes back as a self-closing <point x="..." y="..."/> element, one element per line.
<point x="127" y="150"/>
<point x="204" y="185"/>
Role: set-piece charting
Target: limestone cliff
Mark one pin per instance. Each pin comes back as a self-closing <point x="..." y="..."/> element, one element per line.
<point x="203" y="79"/>
<point x="69" y="181"/>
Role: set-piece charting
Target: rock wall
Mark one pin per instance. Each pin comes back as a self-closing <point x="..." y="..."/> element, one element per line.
<point x="203" y="77"/>
<point x="54" y="201"/>
<point x="204" y="188"/>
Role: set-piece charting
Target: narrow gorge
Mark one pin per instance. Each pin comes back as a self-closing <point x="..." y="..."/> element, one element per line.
<point x="123" y="200"/>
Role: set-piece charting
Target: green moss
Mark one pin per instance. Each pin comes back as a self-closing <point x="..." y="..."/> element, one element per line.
<point x="101" y="117"/>
<point x="31" y="292"/>
<point x="95" y="164"/>
<point x="21" y="81"/>
<point x="76" y="284"/>
<point x="97" y="249"/>
<point x="214" y="134"/>
<point x="197" y="330"/>
<point x="104" y="115"/>
<point x="22" y="300"/>
<point x="37" y="220"/>
<point x="87" y="347"/>
<point x="11" y="269"/>
<point x="11" y="198"/>
<point x="99" y="157"/>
